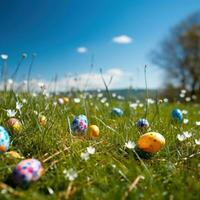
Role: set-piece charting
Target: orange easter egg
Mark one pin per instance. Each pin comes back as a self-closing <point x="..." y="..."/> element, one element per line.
<point x="151" y="142"/>
<point x="93" y="131"/>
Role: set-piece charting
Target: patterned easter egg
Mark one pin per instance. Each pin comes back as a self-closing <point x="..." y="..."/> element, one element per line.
<point x="177" y="115"/>
<point x="117" y="112"/>
<point x="14" y="125"/>
<point x="93" y="131"/>
<point x="42" y="120"/>
<point x="4" y="140"/>
<point x="79" y="125"/>
<point x="27" y="171"/>
<point x="151" y="142"/>
<point x="142" y="123"/>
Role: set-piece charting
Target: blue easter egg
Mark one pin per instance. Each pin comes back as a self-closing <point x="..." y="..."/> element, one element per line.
<point x="142" y="123"/>
<point x="79" y="125"/>
<point x="4" y="140"/>
<point x="177" y="115"/>
<point x="117" y="112"/>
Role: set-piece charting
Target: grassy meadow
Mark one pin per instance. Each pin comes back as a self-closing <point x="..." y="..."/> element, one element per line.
<point x="112" y="171"/>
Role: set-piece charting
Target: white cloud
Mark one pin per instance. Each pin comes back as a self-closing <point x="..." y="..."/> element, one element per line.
<point x="81" y="81"/>
<point x="81" y="49"/>
<point x="122" y="39"/>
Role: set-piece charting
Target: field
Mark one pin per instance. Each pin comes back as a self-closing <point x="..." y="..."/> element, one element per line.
<point x="112" y="170"/>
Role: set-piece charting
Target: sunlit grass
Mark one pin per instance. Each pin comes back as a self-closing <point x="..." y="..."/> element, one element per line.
<point x="112" y="171"/>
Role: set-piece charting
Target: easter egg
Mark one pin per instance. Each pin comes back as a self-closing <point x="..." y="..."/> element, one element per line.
<point x="177" y="115"/>
<point x="93" y="131"/>
<point x="79" y="125"/>
<point x="14" y="125"/>
<point x="142" y="123"/>
<point x="151" y="142"/>
<point x="27" y="171"/>
<point x="66" y="100"/>
<point x="4" y="140"/>
<point x="117" y="112"/>
<point x="60" y="101"/>
<point x="42" y="120"/>
<point x="13" y="154"/>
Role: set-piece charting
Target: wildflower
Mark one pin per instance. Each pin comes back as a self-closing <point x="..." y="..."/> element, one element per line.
<point x="107" y="104"/>
<point x="181" y="137"/>
<point x="141" y="105"/>
<point x="24" y="100"/>
<point x="77" y="100"/>
<point x="185" y="112"/>
<point x="183" y="91"/>
<point x="11" y="113"/>
<point x="85" y="156"/>
<point x="4" y="56"/>
<point x="187" y="134"/>
<point x="185" y="121"/>
<point x="133" y="105"/>
<point x="197" y="123"/>
<point x="130" y="145"/>
<point x="71" y="174"/>
<point x="103" y="100"/>
<point x="184" y="136"/>
<point x="188" y="99"/>
<point x="165" y="100"/>
<point x="114" y="95"/>
<point x="100" y="95"/>
<point x="182" y="95"/>
<point x="197" y="141"/>
<point x="90" y="150"/>
<point x="150" y="101"/>
<point x="18" y="105"/>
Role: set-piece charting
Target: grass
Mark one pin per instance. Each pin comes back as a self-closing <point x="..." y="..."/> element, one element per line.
<point x="113" y="172"/>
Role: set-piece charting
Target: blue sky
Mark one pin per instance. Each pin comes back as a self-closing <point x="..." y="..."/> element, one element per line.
<point x="55" y="29"/>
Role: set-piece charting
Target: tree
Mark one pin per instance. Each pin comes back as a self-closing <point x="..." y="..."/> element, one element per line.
<point x="179" y="54"/>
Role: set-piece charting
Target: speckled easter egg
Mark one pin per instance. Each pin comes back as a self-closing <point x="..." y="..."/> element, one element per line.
<point x="66" y="100"/>
<point x="142" y="123"/>
<point x="27" y="171"/>
<point x="151" y="142"/>
<point x="177" y="115"/>
<point x="42" y="120"/>
<point x="93" y="131"/>
<point x="117" y="112"/>
<point x="79" y="125"/>
<point x="4" y="140"/>
<point x="14" y="125"/>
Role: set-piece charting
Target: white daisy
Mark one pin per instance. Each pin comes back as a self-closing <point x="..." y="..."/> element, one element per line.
<point x="11" y="113"/>
<point x="70" y="174"/>
<point x="197" y="141"/>
<point x="90" y="150"/>
<point x="130" y="145"/>
<point x="85" y="156"/>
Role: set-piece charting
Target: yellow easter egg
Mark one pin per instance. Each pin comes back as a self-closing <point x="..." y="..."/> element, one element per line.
<point x="93" y="131"/>
<point x="151" y="142"/>
<point x="42" y="120"/>
<point x="14" y="154"/>
<point x="66" y="100"/>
